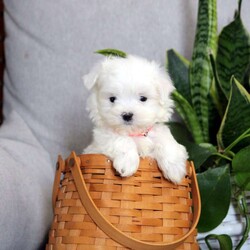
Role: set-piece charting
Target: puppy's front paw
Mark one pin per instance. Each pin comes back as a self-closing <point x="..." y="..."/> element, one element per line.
<point x="174" y="172"/>
<point x="126" y="164"/>
<point x="173" y="165"/>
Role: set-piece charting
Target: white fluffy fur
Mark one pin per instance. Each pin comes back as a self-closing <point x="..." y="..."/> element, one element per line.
<point x="127" y="79"/>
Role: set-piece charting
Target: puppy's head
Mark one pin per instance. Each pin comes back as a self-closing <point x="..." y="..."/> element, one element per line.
<point x="128" y="94"/>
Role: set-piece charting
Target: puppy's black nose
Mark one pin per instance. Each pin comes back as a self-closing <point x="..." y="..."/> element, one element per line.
<point x="127" y="117"/>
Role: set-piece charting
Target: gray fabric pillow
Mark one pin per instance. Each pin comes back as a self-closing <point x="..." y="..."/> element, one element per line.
<point x="26" y="178"/>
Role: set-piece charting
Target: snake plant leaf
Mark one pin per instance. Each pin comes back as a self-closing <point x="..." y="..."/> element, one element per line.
<point x="215" y="189"/>
<point x="233" y="55"/>
<point x="246" y="81"/>
<point x="237" y="117"/>
<point x="112" y="52"/>
<point x="241" y="168"/>
<point x="216" y="93"/>
<point x="225" y="241"/>
<point x="188" y="116"/>
<point x="216" y="102"/>
<point x="178" y="67"/>
<point x="200" y="68"/>
<point x="214" y="120"/>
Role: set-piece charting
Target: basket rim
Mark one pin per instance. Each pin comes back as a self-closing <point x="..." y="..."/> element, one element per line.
<point x="101" y="160"/>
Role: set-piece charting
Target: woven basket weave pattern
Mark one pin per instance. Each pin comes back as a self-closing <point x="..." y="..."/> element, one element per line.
<point x="145" y="207"/>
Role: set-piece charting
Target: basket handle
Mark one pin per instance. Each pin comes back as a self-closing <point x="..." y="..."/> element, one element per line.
<point x="60" y="166"/>
<point x="113" y="232"/>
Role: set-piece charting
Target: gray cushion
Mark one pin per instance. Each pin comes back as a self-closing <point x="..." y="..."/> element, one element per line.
<point x="26" y="177"/>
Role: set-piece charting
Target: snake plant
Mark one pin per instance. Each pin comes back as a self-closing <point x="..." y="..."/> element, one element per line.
<point x="212" y="98"/>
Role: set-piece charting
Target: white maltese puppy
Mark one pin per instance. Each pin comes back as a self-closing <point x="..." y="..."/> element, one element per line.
<point x="129" y="104"/>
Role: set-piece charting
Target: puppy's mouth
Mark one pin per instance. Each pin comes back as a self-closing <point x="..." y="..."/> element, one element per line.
<point x="128" y="123"/>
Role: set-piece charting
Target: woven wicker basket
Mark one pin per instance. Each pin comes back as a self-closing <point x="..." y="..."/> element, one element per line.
<point x="96" y="209"/>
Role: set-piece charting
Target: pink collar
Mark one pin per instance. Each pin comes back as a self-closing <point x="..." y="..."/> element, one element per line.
<point x="145" y="133"/>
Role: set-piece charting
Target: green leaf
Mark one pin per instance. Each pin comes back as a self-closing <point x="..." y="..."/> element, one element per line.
<point x="215" y="189"/>
<point x="243" y="207"/>
<point x="237" y="117"/>
<point x="178" y="67"/>
<point x="180" y="132"/>
<point x="246" y="81"/>
<point x="200" y="69"/>
<point x="241" y="168"/>
<point x="217" y="103"/>
<point x="112" y="52"/>
<point x="224" y="240"/>
<point x="214" y="120"/>
<point x="233" y="54"/>
<point x="217" y="95"/>
<point x="199" y="153"/>
<point x="188" y="115"/>
<point x="243" y="136"/>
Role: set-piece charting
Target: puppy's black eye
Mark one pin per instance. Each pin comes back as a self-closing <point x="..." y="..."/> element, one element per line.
<point x="112" y="99"/>
<point x="143" y="98"/>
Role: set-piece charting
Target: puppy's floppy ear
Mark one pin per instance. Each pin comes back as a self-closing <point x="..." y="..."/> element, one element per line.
<point x="165" y="88"/>
<point x="90" y="79"/>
